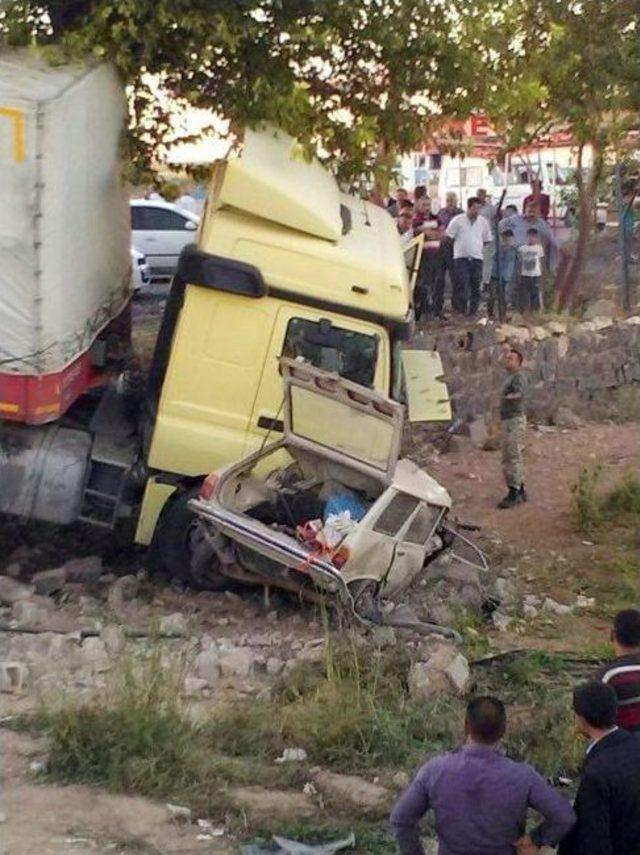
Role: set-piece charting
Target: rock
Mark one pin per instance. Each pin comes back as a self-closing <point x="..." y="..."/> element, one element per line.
<point x="178" y="813"/>
<point x="236" y="663"/>
<point x="446" y="671"/>
<point x="539" y="333"/>
<point x="175" y="623"/>
<point x="446" y="567"/>
<point x="292" y="755"/>
<point x="441" y="614"/>
<point x="529" y="611"/>
<point x="13" y="676"/>
<point x="193" y="686"/>
<point x="87" y="570"/>
<point x="501" y="621"/>
<point x="583" y="602"/>
<point x="274" y="666"/>
<point x="122" y="590"/>
<point x="478" y="432"/>
<point x="563" y="346"/>
<point x="505" y="592"/>
<point x="262" y="805"/>
<point x="352" y="789"/>
<point x="14" y="592"/>
<point x="470" y="597"/>
<point x="401" y="780"/>
<point x="13" y="570"/>
<point x="552" y="607"/>
<point x="602" y="322"/>
<point x="207" y="666"/>
<point x="633" y="321"/>
<point x="599" y="308"/>
<point x="94" y="653"/>
<point x="557" y="328"/>
<point x="566" y="418"/>
<point x="49" y="582"/>
<point x="31" y="612"/>
<point x="114" y="639"/>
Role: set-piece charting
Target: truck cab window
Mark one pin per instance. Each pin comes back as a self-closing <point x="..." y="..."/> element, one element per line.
<point x="350" y="354"/>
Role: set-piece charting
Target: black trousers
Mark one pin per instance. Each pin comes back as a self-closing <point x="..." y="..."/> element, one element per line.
<point x="529" y="294"/>
<point x="466" y="284"/>
<point x="423" y="293"/>
<point x="443" y="263"/>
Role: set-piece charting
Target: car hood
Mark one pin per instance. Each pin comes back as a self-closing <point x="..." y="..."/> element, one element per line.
<point x="326" y="414"/>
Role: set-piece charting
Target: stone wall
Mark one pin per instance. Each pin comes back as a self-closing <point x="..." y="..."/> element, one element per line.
<point x="569" y="365"/>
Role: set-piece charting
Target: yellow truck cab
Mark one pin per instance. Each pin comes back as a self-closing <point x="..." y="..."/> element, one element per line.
<point x="286" y="264"/>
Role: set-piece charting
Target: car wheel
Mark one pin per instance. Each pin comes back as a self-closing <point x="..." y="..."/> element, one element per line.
<point x="181" y="549"/>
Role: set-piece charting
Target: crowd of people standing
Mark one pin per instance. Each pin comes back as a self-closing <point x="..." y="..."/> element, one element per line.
<point x="501" y="254"/>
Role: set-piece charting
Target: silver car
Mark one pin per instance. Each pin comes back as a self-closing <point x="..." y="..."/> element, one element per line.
<point x="329" y="509"/>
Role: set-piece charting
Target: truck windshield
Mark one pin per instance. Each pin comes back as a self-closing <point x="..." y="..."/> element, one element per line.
<point x="350" y="354"/>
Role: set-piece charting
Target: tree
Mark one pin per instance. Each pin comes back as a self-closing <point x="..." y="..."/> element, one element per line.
<point x="571" y="64"/>
<point x="365" y="80"/>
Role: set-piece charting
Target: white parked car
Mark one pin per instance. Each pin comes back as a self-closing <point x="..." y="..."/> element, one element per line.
<point x="140" y="272"/>
<point x="160" y="230"/>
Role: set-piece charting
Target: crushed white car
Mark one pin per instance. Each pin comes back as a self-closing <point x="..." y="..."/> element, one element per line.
<point x="329" y="509"/>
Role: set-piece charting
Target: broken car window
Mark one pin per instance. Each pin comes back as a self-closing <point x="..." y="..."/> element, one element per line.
<point x="350" y="354"/>
<point x="395" y="514"/>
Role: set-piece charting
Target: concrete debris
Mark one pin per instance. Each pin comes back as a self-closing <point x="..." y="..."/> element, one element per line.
<point x="207" y="666"/>
<point x="551" y="606"/>
<point x="13" y="676"/>
<point x="48" y="582"/>
<point x="262" y="805"/>
<point x="12" y="591"/>
<point x="114" y="639"/>
<point x="566" y="418"/>
<point x="274" y="666"/>
<point x="557" y="328"/>
<point x="174" y="623"/>
<point x="292" y="755"/>
<point x="178" y="813"/>
<point x="352" y="789"/>
<point x="444" y="672"/>
<point x="86" y="570"/>
<point x="121" y="591"/>
<point x="236" y="663"/>
<point x="501" y="621"/>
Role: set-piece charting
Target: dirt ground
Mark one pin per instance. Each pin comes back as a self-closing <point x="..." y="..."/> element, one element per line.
<point x="42" y="819"/>
<point x="540" y="537"/>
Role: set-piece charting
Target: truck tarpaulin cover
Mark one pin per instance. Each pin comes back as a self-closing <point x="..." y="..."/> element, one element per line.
<point x="64" y="220"/>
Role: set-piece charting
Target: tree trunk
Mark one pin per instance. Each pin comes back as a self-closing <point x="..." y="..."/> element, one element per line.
<point x="567" y="283"/>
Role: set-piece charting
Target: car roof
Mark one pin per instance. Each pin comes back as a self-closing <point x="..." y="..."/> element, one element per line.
<point x="166" y="206"/>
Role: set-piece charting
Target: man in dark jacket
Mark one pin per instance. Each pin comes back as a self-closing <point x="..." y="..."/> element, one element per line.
<point x="623" y="672"/>
<point x="608" y="800"/>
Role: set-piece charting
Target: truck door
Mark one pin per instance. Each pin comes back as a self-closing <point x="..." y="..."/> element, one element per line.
<point x="353" y="348"/>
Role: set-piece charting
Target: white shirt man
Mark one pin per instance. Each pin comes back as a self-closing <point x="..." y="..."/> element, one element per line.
<point x="469" y="232"/>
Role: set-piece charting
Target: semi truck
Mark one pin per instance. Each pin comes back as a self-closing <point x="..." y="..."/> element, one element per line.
<point x="285" y="264"/>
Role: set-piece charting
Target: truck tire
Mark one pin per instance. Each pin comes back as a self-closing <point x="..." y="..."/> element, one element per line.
<point x="176" y="543"/>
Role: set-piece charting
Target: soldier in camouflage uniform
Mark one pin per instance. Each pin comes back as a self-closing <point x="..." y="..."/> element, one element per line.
<point x="514" y="425"/>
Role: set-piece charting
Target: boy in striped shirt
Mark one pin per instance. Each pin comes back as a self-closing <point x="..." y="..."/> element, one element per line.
<point x="623" y="672"/>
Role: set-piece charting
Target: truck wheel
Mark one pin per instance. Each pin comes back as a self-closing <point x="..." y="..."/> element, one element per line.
<point x="178" y="545"/>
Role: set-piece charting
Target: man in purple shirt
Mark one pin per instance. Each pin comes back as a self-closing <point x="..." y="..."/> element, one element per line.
<point x="480" y="798"/>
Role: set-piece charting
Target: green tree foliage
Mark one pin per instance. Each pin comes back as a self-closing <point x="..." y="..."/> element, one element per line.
<point x="366" y="80"/>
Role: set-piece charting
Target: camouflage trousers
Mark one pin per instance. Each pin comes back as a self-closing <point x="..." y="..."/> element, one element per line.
<point x="513" y="435"/>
